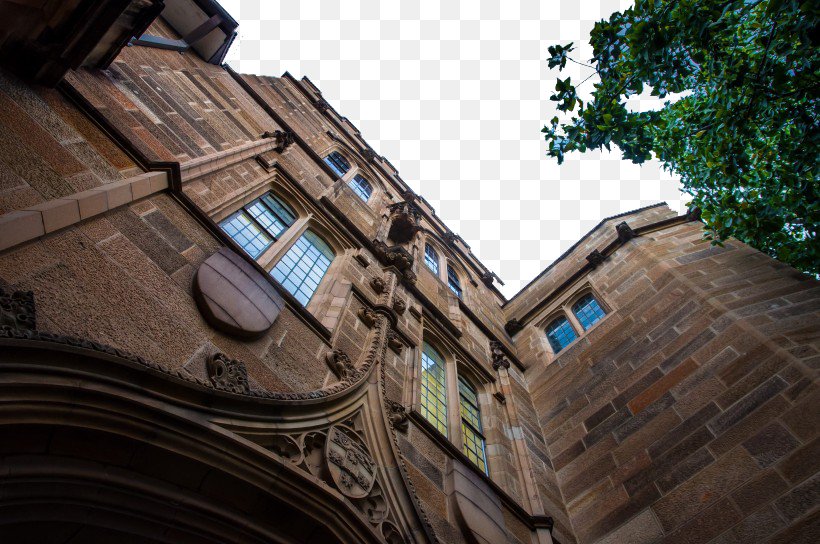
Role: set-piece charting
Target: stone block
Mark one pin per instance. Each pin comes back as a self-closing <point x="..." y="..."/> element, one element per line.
<point x="58" y="213"/>
<point x="20" y="226"/>
<point x="92" y="202"/>
<point x="119" y="193"/>
<point x="770" y="444"/>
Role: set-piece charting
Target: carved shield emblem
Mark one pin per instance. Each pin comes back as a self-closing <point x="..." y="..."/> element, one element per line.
<point x="351" y="466"/>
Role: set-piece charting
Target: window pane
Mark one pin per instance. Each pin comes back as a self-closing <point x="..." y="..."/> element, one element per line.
<point x="303" y="266"/>
<point x="588" y="311"/>
<point x="560" y="334"/>
<point x="281" y="210"/>
<point x="338" y="163"/>
<point x="431" y="258"/>
<point x="433" y="388"/>
<point x="453" y="281"/>
<point x="474" y="442"/>
<point x="244" y="231"/>
<point x="361" y="187"/>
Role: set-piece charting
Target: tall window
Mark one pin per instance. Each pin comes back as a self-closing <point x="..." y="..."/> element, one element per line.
<point x="338" y="163"/>
<point x="433" y="388"/>
<point x="431" y="258"/>
<point x="256" y="225"/>
<point x="361" y="187"/>
<point x="560" y="334"/>
<point x="588" y="311"/>
<point x="304" y="266"/>
<point x="474" y="442"/>
<point x="453" y="282"/>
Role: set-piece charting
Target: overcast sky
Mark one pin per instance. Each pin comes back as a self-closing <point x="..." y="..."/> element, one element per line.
<point x="455" y="95"/>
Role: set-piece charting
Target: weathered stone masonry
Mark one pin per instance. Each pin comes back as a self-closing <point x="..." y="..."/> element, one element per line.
<point x="686" y="413"/>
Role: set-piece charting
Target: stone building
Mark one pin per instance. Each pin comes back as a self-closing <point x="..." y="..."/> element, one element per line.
<point x="225" y="318"/>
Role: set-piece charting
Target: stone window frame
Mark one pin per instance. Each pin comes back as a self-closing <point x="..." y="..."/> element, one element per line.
<point x="445" y="260"/>
<point x="564" y="309"/>
<point x="307" y="218"/>
<point x="454" y="367"/>
<point x="356" y="168"/>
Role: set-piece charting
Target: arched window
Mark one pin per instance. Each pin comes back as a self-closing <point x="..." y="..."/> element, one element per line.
<point x="453" y="282"/>
<point x="560" y="334"/>
<point x="303" y="266"/>
<point x="256" y="225"/>
<point x="361" y="187"/>
<point x="338" y="163"/>
<point x="588" y="311"/>
<point x="431" y="258"/>
<point x="474" y="442"/>
<point x="433" y="388"/>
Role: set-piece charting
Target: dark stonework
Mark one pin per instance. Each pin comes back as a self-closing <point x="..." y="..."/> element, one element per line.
<point x="405" y="219"/>
<point x="513" y="326"/>
<point x="341" y="365"/>
<point x="595" y="258"/>
<point x="227" y="374"/>
<point x="17" y="312"/>
<point x="499" y="358"/>
<point x="625" y="232"/>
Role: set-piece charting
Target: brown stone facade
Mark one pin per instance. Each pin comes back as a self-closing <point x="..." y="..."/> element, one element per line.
<point x="687" y="413"/>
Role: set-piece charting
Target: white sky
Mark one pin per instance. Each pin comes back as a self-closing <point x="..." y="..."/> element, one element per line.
<point x="454" y="94"/>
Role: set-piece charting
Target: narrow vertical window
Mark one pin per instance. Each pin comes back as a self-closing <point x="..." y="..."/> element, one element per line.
<point x="588" y="311"/>
<point x="361" y="187"/>
<point x="338" y="163"/>
<point x="453" y="281"/>
<point x="431" y="258"/>
<point x="304" y="266"/>
<point x="433" y="388"/>
<point x="474" y="442"/>
<point x="560" y="334"/>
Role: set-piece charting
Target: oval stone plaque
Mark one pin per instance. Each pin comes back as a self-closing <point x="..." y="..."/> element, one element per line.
<point x="234" y="297"/>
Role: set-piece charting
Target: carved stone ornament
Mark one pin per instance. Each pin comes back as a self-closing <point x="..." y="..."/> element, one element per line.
<point x="405" y="221"/>
<point x="487" y="278"/>
<point x="450" y="238"/>
<point x="227" y="374"/>
<point x="595" y="258"/>
<point x="394" y="342"/>
<point x="17" y="311"/>
<point x="625" y="232"/>
<point x="398" y="415"/>
<point x="513" y="326"/>
<point x="284" y="138"/>
<point x="367" y="316"/>
<point x="499" y="358"/>
<point x="394" y="256"/>
<point x="340" y="364"/>
<point x="322" y="105"/>
<point x="369" y="155"/>
<point x="352" y="468"/>
<point x="693" y="214"/>
<point x="378" y="285"/>
<point x="400" y="305"/>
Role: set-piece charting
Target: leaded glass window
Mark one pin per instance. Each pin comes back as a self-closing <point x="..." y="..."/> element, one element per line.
<point x="259" y="223"/>
<point x="247" y="233"/>
<point x="588" y="311"/>
<point x="303" y="266"/>
<point x="474" y="442"/>
<point x="453" y="281"/>
<point x="431" y="258"/>
<point x="338" y="163"/>
<point x="361" y="187"/>
<point x="433" y="388"/>
<point x="560" y="334"/>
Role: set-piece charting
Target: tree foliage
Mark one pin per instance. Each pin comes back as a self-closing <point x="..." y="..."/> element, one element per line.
<point x="744" y="141"/>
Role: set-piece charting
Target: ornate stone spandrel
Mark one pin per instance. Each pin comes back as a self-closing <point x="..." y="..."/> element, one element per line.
<point x="352" y="468"/>
<point x="227" y="374"/>
<point x="17" y="311"/>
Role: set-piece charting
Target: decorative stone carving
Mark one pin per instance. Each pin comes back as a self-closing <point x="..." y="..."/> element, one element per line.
<point x="322" y="105"/>
<point x="227" y="374"/>
<point x="405" y="221"/>
<point x="487" y="278"/>
<point x="400" y="305"/>
<point x="378" y="285"/>
<point x="17" y="312"/>
<point x="367" y="316"/>
<point x="362" y="259"/>
<point x="513" y="326"/>
<point x="693" y="214"/>
<point x="394" y="256"/>
<point x="394" y="342"/>
<point x="499" y="358"/>
<point x="284" y="138"/>
<point x="352" y="468"/>
<point x="398" y="415"/>
<point x="595" y="258"/>
<point x="499" y="396"/>
<point x="340" y="364"/>
<point x="450" y="238"/>
<point x="234" y="297"/>
<point x="369" y="155"/>
<point x="625" y="232"/>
